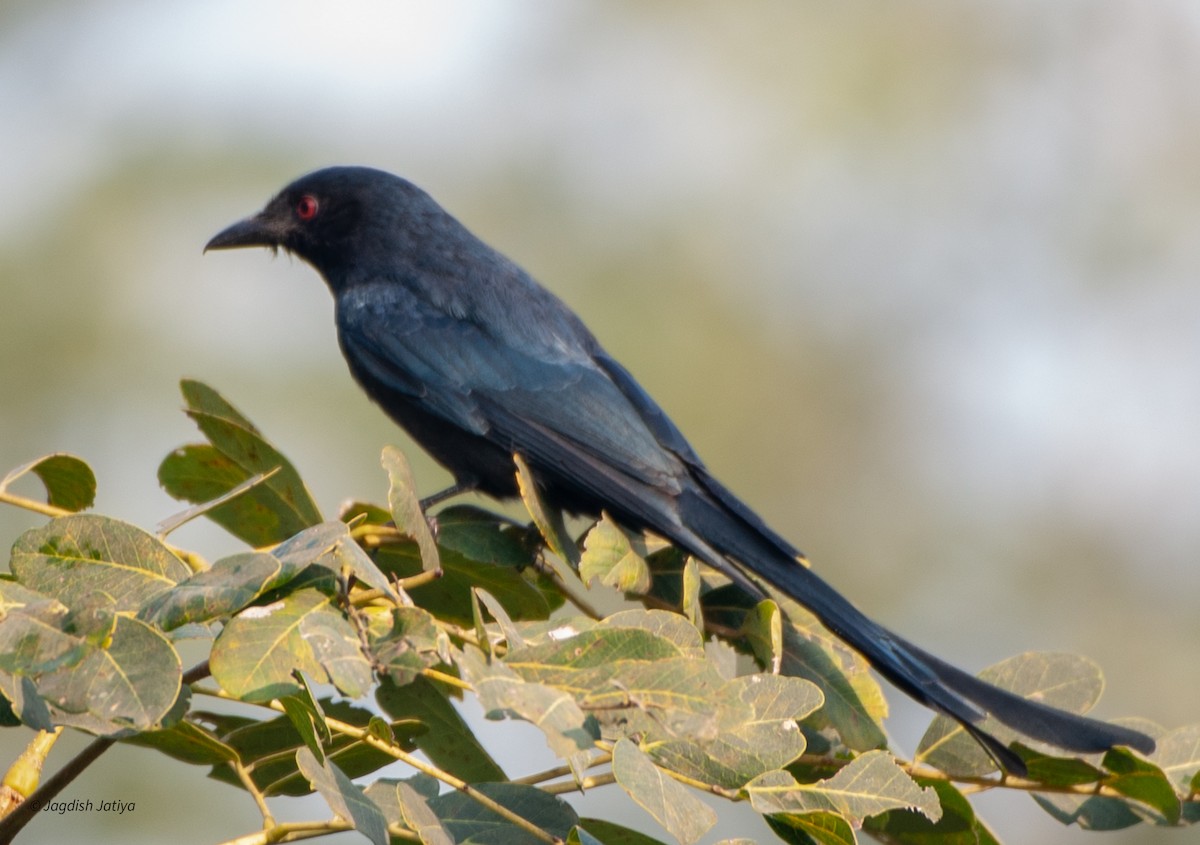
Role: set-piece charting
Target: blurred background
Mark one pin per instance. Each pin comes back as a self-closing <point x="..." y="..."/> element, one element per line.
<point x="920" y="281"/>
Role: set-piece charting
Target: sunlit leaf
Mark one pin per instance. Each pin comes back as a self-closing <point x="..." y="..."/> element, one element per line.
<point x="87" y="561"/>
<point x="255" y="654"/>
<point x="502" y="692"/>
<point x="765" y="738"/>
<point x="763" y="629"/>
<point x="548" y="520"/>
<point x="406" y="507"/>
<point x="337" y="647"/>
<point x="871" y="784"/>
<point x="344" y="796"/>
<point x="614" y="558"/>
<point x="854" y="703"/>
<point x="419" y="817"/>
<point x="1178" y="755"/>
<point x="1066" y="681"/>
<point x="407" y="646"/>
<point x="678" y="810"/>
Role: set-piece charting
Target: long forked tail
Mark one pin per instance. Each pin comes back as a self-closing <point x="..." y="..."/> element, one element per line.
<point x="719" y="522"/>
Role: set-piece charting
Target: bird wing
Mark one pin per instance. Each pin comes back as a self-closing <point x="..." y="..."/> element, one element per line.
<point x="549" y="401"/>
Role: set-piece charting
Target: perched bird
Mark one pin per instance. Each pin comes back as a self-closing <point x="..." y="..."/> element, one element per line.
<point x="478" y="362"/>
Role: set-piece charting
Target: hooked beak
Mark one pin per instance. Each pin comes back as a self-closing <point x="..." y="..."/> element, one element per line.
<point x="259" y="230"/>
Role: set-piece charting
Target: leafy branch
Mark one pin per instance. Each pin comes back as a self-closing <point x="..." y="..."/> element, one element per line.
<point x="394" y="613"/>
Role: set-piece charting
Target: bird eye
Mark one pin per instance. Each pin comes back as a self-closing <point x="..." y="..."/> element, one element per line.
<point x="306" y="207"/>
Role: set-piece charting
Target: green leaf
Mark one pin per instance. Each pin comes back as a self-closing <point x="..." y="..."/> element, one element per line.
<point x="511" y="635"/>
<point x="483" y="537"/>
<point x="449" y="597"/>
<point x="70" y="483"/>
<point x="410" y="644"/>
<point x="185" y="516"/>
<point x="1144" y="782"/>
<point x="224" y="492"/>
<point x="808" y="828"/>
<point x="88" y="561"/>
<point x="33" y="638"/>
<point x="1066" y="681"/>
<point x="268" y="748"/>
<point x="854" y="702"/>
<point x="611" y="833"/>
<point x="271" y="512"/>
<point x="763" y="629"/>
<point x="131" y="684"/>
<point x="255" y="654"/>
<point x="1057" y="772"/>
<point x="344" y="796"/>
<point x="548" y="521"/>
<point x="304" y="719"/>
<point x="672" y="805"/>
<point x="1089" y="812"/>
<point x="448" y="741"/>
<point x="569" y="663"/>
<point x="871" y="784"/>
<point x="406" y="507"/>
<point x="187" y="742"/>
<point x="401" y="799"/>
<point x="692" y="583"/>
<point x="579" y="836"/>
<point x="957" y="826"/>
<point x="638" y="671"/>
<point x="468" y="821"/>
<point x="337" y="647"/>
<point x="614" y="558"/>
<point x="672" y="627"/>
<point x="226" y="587"/>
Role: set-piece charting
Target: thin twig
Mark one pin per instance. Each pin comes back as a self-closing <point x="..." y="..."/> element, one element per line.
<point x="261" y="800"/>
<point x="33" y="505"/>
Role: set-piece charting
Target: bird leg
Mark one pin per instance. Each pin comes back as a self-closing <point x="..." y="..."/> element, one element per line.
<point x="442" y="495"/>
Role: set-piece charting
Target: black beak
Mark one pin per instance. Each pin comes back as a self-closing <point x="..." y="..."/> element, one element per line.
<point x="259" y="230"/>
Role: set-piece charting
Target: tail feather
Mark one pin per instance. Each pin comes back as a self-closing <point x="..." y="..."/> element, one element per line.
<point x="718" y="524"/>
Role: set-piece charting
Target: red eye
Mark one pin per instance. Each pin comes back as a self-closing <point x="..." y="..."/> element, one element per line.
<point x="306" y="207"/>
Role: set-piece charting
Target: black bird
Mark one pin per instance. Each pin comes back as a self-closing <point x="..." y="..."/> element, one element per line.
<point x="478" y="362"/>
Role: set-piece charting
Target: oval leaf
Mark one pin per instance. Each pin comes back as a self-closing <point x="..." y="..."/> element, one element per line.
<point x="70" y="483"/>
<point x="88" y="561"/>
<point x="254" y="656"/>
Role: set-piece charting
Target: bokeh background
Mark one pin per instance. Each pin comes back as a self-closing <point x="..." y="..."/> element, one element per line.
<point x="921" y="281"/>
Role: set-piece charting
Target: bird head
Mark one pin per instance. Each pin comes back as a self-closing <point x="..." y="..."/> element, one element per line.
<point x="337" y="219"/>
